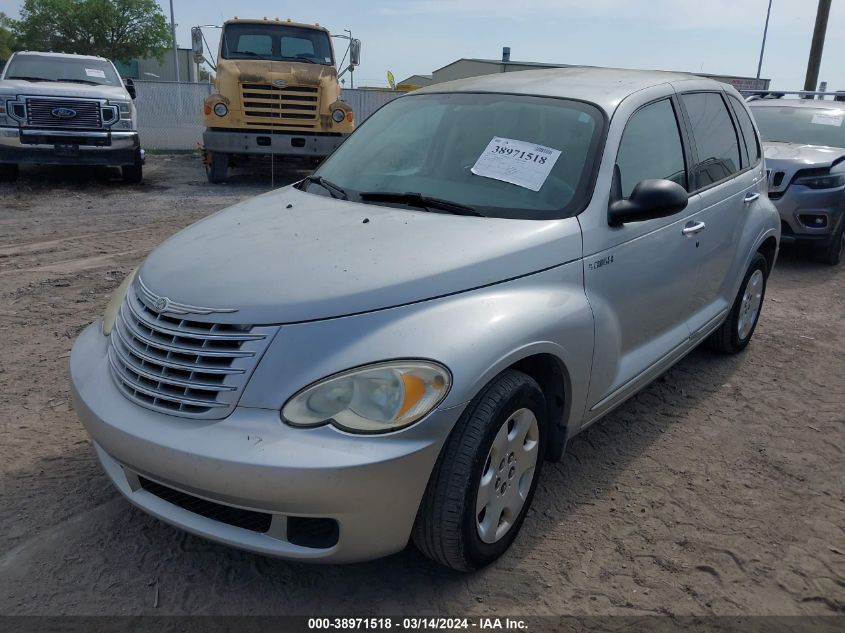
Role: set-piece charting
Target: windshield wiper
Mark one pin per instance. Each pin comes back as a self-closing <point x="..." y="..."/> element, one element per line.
<point x="417" y="199"/>
<point x="300" y="59"/>
<point x="334" y="190"/>
<point x="81" y="81"/>
<point x="31" y="78"/>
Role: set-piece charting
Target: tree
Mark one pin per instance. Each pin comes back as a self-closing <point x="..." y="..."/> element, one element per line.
<point x="120" y="30"/>
<point x="7" y="38"/>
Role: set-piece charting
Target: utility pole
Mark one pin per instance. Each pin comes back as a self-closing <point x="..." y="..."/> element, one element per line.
<point x="817" y="47"/>
<point x="175" y="49"/>
<point x="765" y="32"/>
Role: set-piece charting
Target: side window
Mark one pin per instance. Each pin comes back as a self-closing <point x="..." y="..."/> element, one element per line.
<point x="752" y="145"/>
<point x="715" y="137"/>
<point x="651" y="147"/>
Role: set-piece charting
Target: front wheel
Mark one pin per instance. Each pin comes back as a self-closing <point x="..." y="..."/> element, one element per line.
<point x="833" y="251"/>
<point x="486" y="475"/>
<point x="133" y="174"/>
<point x="217" y="167"/>
<point x="8" y="172"/>
<point x="735" y="332"/>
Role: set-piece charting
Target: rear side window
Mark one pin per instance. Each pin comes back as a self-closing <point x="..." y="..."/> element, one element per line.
<point x="715" y="137"/>
<point x="752" y="145"/>
<point x="651" y="147"/>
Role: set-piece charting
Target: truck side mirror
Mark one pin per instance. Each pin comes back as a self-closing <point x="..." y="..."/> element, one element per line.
<point x="354" y="53"/>
<point x="196" y="45"/>
<point x="130" y="87"/>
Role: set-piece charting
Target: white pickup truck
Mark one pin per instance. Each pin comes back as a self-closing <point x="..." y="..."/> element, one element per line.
<point x="60" y="109"/>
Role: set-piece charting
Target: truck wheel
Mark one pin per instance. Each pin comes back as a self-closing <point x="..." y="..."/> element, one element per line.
<point x="217" y="167"/>
<point x="833" y="251"/>
<point x="8" y="172"/>
<point x="484" y="480"/>
<point x="735" y="332"/>
<point x="133" y="174"/>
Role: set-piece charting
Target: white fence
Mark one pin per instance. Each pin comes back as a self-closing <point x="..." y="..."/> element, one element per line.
<point x="170" y="113"/>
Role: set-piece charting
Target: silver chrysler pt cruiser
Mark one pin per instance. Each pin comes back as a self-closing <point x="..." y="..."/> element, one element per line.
<point x="389" y="349"/>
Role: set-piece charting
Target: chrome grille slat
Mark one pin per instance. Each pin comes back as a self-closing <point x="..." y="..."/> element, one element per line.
<point x="39" y="113"/>
<point x="179" y="363"/>
<point x="280" y="106"/>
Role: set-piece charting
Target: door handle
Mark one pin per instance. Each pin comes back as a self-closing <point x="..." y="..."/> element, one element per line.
<point x="750" y="197"/>
<point x="693" y="228"/>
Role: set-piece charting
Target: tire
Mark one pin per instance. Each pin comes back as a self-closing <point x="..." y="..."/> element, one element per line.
<point x="217" y="167"/>
<point x="8" y="172"/>
<point x="448" y="527"/>
<point x="133" y="174"/>
<point x="834" y="250"/>
<point x="738" y="327"/>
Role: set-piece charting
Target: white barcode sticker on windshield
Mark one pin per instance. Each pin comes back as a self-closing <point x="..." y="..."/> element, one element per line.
<point x="95" y="72"/>
<point x="517" y="162"/>
<point x="828" y="119"/>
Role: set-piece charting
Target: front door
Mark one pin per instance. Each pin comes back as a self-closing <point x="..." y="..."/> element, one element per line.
<point x="640" y="282"/>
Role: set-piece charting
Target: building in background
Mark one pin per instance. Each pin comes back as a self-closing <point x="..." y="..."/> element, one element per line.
<point x="463" y="68"/>
<point x="414" y="82"/>
<point x="165" y="70"/>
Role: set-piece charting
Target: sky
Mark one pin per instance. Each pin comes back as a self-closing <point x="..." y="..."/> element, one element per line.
<point x="418" y="36"/>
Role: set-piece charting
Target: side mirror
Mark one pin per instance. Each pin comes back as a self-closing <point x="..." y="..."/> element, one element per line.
<point x="196" y="45"/>
<point x="130" y="87"/>
<point x="650" y="199"/>
<point x="354" y="53"/>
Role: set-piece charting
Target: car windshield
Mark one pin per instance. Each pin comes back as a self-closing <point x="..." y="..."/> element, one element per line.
<point x="808" y="126"/>
<point x="277" y="42"/>
<point x="72" y="69"/>
<point x="496" y="155"/>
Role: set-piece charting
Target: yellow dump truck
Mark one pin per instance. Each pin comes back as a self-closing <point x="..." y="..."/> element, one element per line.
<point x="277" y="92"/>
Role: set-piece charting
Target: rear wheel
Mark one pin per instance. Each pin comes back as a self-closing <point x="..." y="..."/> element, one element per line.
<point x="8" y="172"/>
<point x="217" y="167"/>
<point x="833" y="252"/>
<point x="735" y="332"/>
<point x="486" y="475"/>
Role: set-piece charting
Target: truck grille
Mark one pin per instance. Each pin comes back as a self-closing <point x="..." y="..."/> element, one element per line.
<point x="271" y="106"/>
<point x="178" y="366"/>
<point x="42" y="113"/>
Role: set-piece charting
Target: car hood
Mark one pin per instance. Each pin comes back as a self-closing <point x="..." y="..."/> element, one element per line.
<point x="61" y="89"/>
<point x="290" y="256"/>
<point x="800" y="156"/>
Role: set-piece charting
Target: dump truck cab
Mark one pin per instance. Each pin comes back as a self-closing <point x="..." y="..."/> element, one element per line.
<point x="277" y="92"/>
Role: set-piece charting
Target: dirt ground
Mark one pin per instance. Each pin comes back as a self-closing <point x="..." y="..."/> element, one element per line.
<point x="717" y="490"/>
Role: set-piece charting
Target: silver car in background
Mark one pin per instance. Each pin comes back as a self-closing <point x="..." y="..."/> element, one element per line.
<point x="390" y="349"/>
<point x="804" y="144"/>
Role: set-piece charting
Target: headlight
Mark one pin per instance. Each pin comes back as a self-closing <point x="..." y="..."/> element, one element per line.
<point x="373" y="399"/>
<point x="220" y="109"/>
<point x="831" y="181"/>
<point x="115" y="302"/>
<point x="338" y="116"/>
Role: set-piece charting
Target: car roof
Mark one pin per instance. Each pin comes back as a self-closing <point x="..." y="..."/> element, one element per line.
<point x="605" y="87"/>
<point x="797" y="103"/>
<point x="74" y="55"/>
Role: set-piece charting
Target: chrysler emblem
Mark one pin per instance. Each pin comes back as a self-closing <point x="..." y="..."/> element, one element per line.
<point x="166" y="304"/>
<point x="281" y="83"/>
<point x="63" y="113"/>
<point x="162" y="303"/>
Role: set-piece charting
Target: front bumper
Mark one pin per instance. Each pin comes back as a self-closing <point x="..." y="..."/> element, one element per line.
<point x="799" y="207"/>
<point x="280" y="144"/>
<point x="370" y="485"/>
<point x="62" y="147"/>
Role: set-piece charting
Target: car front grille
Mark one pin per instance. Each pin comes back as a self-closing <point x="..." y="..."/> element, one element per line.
<point x="289" y="107"/>
<point x="180" y="366"/>
<point x="43" y="113"/>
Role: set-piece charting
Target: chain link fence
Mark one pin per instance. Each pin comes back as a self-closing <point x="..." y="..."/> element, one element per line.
<point x="170" y="113"/>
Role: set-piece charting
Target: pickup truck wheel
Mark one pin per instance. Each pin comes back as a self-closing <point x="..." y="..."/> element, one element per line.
<point x="833" y="252"/>
<point x="486" y="475"/>
<point x="217" y="167"/>
<point x="8" y="172"/>
<point x="133" y="174"/>
<point x="735" y="332"/>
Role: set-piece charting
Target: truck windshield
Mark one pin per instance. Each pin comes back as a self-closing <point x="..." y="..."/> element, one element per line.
<point x="71" y="69"/>
<point x="276" y="42"/>
<point x="495" y="155"/>
<point x="807" y="126"/>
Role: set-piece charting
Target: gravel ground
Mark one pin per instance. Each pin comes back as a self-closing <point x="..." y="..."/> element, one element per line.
<point x="717" y="490"/>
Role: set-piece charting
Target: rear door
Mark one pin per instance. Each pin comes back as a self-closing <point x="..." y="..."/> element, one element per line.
<point x="639" y="276"/>
<point x="728" y="184"/>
